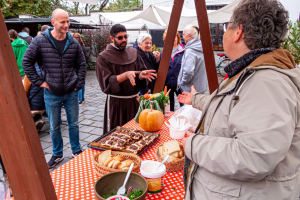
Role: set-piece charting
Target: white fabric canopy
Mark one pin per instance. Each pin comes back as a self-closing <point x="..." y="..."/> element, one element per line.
<point x="156" y="14"/>
<point x="93" y="2"/>
<point x="161" y="15"/>
<point x="224" y="14"/>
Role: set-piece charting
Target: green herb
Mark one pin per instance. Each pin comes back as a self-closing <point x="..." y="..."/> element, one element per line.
<point x="135" y="194"/>
<point x="106" y="196"/>
<point x="173" y="188"/>
<point x="132" y="195"/>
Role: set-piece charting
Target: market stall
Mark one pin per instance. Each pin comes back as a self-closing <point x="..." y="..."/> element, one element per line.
<point x="76" y="179"/>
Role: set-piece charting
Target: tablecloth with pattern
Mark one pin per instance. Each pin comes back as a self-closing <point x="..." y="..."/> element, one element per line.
<point x="76" y="178"/>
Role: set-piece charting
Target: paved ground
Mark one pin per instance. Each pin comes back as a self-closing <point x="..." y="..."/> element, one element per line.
<point x="90" y="120"/>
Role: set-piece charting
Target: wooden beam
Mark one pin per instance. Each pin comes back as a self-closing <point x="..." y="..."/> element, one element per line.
<point x="208" y="52"/>
<point x="20" y="147"/>
<point x="167" y="50"/>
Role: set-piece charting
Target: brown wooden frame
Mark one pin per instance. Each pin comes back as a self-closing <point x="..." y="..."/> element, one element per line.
<point x="20" y="146"/>
<point x="206" y="44"/>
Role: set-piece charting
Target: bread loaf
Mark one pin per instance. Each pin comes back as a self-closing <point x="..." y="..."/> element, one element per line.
<point x="170" y="147"/>
<point x="103" y="157"/>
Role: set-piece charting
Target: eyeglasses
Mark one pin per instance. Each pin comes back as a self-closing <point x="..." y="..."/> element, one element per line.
<point x="225" y="26"/>
<point x="121" y="37"/>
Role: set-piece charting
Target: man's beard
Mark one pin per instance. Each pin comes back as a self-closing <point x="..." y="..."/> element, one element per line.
<point x="118" y="45"/>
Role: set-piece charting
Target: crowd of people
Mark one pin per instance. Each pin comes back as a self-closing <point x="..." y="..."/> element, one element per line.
<point x="246" y="144"/>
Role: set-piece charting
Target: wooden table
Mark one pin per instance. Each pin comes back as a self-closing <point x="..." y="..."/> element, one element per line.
<point x="76" y="178"/>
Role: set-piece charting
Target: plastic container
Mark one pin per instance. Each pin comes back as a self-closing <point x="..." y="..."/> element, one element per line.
<point x="155" y="180"/>
<point x="167" y="109"/>
<point x="118" y="197"/>
<point x="177" y="134"/>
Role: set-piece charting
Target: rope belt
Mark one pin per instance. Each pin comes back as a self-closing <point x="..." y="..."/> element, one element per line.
<point x="108" y="104"/>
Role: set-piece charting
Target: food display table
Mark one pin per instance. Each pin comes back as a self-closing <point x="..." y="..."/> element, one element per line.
<point x="76" y="178"/>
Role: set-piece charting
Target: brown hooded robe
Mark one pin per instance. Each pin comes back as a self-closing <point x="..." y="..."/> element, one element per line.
<point x="111" y="63"/>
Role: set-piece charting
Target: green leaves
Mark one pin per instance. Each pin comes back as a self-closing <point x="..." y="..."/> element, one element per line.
<point x="292" y="43"/>
<point x="124" y="5"/>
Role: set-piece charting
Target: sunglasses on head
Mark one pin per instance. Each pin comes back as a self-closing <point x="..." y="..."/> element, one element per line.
<point x="225" y="26"/>
<point x="121" y="37"/>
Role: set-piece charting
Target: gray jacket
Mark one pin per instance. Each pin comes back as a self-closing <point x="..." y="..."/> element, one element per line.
<point x="193" y="70"/>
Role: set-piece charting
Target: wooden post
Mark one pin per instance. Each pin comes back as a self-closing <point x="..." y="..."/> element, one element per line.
<point x="167" y="50"/>
<point x="20" y="147"/>
<point x="206" y="44"/>
<point x="208" y="52"/>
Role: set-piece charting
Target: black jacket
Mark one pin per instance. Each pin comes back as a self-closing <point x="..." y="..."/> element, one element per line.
<point x="28" y="39"/>
<point x="36" y="95"/>
<point x="63" y="73"/>
<point x="151" y="64"/>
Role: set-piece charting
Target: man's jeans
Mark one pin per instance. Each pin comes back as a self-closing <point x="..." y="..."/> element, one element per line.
<point x="81" y="94"/>
<point x="53" y="108"/>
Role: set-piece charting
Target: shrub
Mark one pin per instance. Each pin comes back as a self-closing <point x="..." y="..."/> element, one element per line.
<point x="292" y="43"/>
<point x="97" y="39"/>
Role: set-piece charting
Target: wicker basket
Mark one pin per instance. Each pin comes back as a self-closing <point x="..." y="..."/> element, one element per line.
<point x="102" y="170"/>
<point x="171" y="166"/>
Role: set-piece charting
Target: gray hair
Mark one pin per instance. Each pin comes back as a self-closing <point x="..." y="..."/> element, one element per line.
<point x="265" y="23"/>
<point x="142" y="37"/>
<point x="191" y="29"/>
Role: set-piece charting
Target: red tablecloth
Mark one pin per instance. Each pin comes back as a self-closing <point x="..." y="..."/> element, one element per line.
<point x="76" y="178"/>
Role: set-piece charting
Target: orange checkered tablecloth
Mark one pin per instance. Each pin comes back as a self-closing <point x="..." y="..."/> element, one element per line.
<point x="76" y="178"/>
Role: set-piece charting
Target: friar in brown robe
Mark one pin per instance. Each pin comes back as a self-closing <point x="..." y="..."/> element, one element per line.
<point x="120" y="74"/>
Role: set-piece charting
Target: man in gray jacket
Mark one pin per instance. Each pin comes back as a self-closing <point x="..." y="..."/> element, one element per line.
<point x="193" y="70"/>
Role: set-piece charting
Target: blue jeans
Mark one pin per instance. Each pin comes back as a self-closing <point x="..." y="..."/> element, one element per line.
<point x="81" y="94"/>
<point x="53" y="108"/>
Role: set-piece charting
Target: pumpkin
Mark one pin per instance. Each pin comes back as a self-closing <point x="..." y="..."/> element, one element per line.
<point x="151" y="120"/>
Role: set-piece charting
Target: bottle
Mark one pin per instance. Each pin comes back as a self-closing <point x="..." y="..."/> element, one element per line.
<point x="167" y="109"/>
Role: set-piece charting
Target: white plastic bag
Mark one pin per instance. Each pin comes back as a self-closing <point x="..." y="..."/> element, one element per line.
<point x="190" y="113"/>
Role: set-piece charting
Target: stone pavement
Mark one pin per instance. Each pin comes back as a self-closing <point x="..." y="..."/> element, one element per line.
<point x="91" y="115"/>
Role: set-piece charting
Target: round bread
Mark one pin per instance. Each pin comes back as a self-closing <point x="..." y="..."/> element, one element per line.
<point x="108" y="161"/>
<point x="127" y="163"/>
<point x="111" y="164"/>
<point x="119" y="158"/>
<point x="116" y="163"/>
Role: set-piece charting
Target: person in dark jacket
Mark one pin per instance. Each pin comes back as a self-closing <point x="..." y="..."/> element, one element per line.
<point x="135" y="44"/>
<point x="63" y="71"/>
<point x="25" y="35"/>
<point x="150" y="59"/>
<point x="174" y="69"/>
<point x="77" y="36"/>
<point x="36" y="102"/>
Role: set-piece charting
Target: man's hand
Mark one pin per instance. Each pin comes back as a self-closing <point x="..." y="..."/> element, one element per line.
<point x="185" y="97"/>
<point x="45" y="85"/>
<point x="187" y="135"/>
<point x="131" y="76"/>
<point x="157" y="55"/>
<point x="147" y="74"/>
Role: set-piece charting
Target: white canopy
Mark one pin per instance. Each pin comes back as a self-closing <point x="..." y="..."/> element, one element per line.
<point x="161" y="15"/>
<point x="156" y="14"/>
<point x="224" y="14"/>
